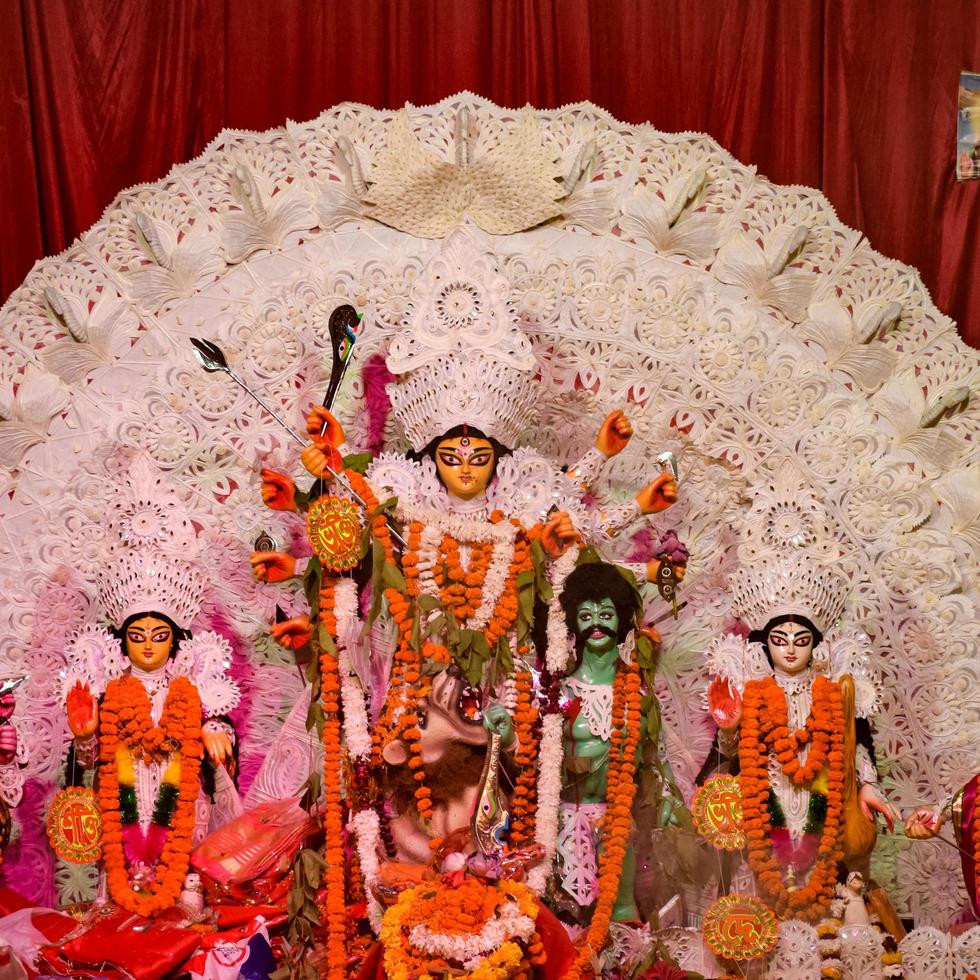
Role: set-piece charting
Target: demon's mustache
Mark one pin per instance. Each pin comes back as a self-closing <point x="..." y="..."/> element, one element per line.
<point x="589" y="630"/>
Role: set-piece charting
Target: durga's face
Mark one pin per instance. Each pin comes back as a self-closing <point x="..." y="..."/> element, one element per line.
<point x="149" y="641"/>
<point x="465" y="465"/>
<point x="791" y="647"/>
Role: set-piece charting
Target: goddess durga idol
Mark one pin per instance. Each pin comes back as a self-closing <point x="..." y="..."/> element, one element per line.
<point x="469" y="540"/>
<point x="792" y="702"/>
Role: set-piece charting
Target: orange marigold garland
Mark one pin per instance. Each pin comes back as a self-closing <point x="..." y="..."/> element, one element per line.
<point x="764" y="731"/>
<point x="333" y="813"/>
<point x="461" y="589"/>
<point x="474" y="929"/>
<point x="525" y="789"/>
<point x="126" y="723"/>
<point x="617" y="821"/>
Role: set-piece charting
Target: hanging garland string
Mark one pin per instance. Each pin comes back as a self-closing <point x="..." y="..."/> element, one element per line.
<point x="764" y="731"/>
<point x="128" y="734"/>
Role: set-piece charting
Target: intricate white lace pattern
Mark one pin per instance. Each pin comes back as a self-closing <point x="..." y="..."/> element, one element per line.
<point x="596" y="705"/>
<point x="579" y="827"/>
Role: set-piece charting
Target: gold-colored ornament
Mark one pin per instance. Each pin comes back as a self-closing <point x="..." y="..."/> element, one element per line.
<point x="717" y="813"/>
<point x="74" y="825"/>
<point x="740" y="927"/>
<point x="334" y="525"/>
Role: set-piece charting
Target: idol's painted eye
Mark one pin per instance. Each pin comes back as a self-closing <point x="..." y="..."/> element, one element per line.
<point x="778" y="639"/>
<point x="161" y="636"/>
<point x="803" y="639"/>
<point x="136" y="637"/>
<point x="480" y="459"/>
<point x="450" y="459"/>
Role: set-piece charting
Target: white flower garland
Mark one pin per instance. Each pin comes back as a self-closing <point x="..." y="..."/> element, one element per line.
<point x="428" y="549"/>
<point x="365" y="823"/>
<point x="367" y="832"/>
<point x="507" y="925"/>
<point x="356" y="733"/>
<point x="493" y="585"/>
<point x="461" y="528"/>
<point x="558" y="639"/>
<point x="549" y="797"/>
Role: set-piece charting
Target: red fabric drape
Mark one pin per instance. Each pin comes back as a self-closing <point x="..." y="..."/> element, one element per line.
<point x="854" y="96"/>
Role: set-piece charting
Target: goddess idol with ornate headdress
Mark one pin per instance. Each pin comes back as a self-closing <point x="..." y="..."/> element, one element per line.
<point x="146" y="701"/>
<point x="468" y="536"/>
<point x="792" y="700"/>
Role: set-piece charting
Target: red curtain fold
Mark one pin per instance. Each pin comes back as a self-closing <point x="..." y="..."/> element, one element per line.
<point x="857" y="97"/>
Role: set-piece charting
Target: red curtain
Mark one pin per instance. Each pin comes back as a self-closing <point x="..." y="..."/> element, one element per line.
<point x="857" y="97"/>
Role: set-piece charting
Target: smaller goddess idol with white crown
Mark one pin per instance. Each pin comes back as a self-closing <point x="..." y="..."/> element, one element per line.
<point x="145" y="703"/>
<point x="791" y="702"/>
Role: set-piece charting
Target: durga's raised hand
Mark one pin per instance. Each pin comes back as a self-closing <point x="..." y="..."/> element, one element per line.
<point x="559" y="534"/>
<point x="323" y="429"/>
<point x="657" y="495"/>
<point x="272" y="566"/>
<point x="293" y="633"/>
<point x="725" y="704"/>
<point x="82" y="710"/>
<point x="278" y="490"/>
<point x="614" y="434"/>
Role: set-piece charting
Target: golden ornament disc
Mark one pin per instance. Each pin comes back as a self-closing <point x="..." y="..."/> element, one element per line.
<point x="334" y="525"/>
<point x="74" y="825"/>
<point x="740" y="927"/>
<point x="717" y="813"/>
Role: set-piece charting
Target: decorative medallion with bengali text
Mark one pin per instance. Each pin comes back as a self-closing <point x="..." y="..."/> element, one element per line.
<point x="717" y="813"/>
<point x="740" y="927"/>
<point x="74" y="825"/>
<point x="334" y="525"/>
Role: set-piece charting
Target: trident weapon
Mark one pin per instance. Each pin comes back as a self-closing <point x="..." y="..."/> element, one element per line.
<point x="212" y="358"/>
<point x="11" y="685"/>
<point x="344" y="324"/>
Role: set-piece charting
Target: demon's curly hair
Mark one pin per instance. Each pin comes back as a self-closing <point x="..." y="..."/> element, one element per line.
<point x="593" y="582"/>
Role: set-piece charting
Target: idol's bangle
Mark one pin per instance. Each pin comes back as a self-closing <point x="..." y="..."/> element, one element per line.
<point x="867" y="775"/>
<point x="611" y="520"/>
<point x="588" y="469"/>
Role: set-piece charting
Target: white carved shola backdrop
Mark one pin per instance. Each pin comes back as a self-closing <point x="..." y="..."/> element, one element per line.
<point x="814" y="395"/>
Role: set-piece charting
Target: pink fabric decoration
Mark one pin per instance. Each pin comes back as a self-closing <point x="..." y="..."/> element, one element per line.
<point x="243" y="673"/>
<point x="376" y="377"/>
<point x="28" y="865"/>
<point x="144" y="847"/>
<point x="643" y="546"/>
